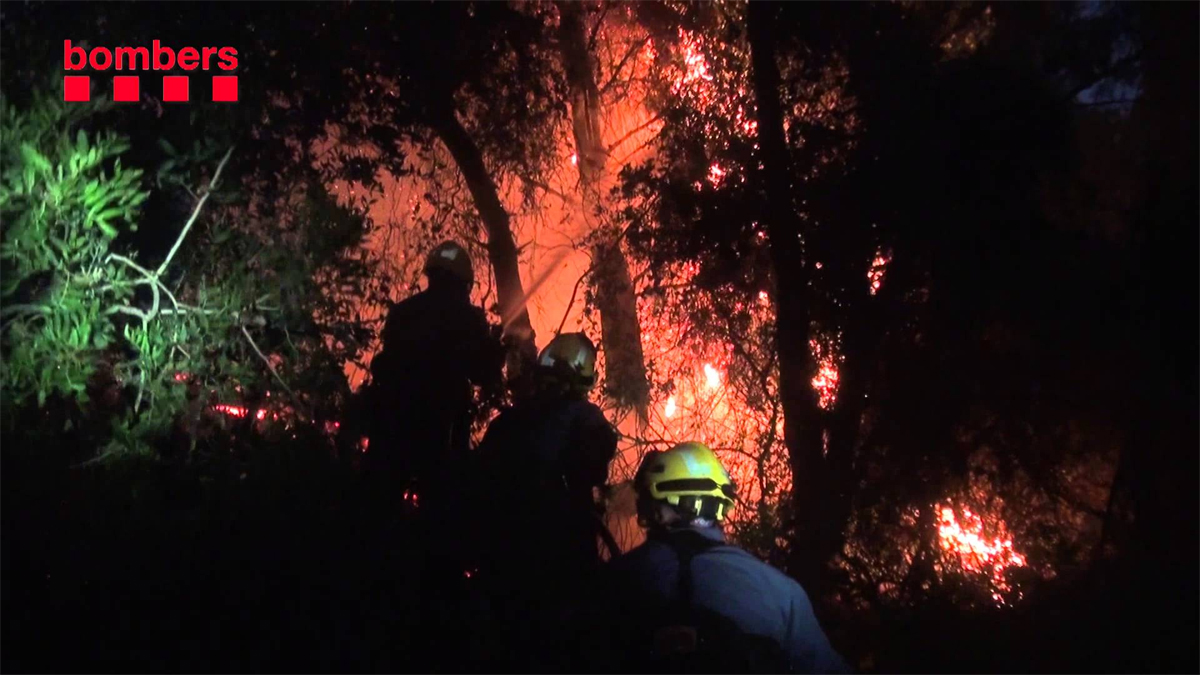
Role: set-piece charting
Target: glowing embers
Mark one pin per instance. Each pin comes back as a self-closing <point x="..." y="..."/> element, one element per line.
<point x="715" y="175"/>
<point x="412" y="498"/>
<point x="240" y="411"/>
<point x="875" y="273"/>
<point x="826" y="379"/>
<point x="966" y="545"/>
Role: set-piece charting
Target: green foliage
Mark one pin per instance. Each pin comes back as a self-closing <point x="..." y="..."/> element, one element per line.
<point x="136" y="351"/>
<point x="62" y="198"/>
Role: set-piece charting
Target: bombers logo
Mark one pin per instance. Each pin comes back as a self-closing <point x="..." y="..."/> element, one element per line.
<point x="175" y="88"/>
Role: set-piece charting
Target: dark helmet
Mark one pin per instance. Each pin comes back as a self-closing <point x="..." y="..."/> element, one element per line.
<point x="569" y="362"/>
<point x="451" y="258"/>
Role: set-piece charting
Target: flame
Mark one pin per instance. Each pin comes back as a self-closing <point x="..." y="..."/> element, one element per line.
<point x="574" y="159"/>
<point x="706" y="400"/>
<point x="965" y="544"/>
<point x="712" y="377"/>
<point x="826" y="379"/>
<point x="695" y="65"/>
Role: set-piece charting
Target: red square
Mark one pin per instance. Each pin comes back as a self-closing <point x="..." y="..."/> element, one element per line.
<point x="225" y="88"/>
<point x="77" y="88"/>
<point x="175" y="88"/>
<point x="125" y="88"/>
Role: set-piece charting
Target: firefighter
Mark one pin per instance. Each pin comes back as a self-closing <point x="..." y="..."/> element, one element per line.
<point x="701" y="602"/>
<point x="436" y="345"/>
<point x="544" y="464"/>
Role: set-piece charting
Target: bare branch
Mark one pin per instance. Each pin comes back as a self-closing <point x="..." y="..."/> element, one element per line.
<point x="266" y="361"/>
<point x="571" y="302"/>
<point x="195" y="214"/>
<point x="639" y="128"/>
<point x="634" y="49"/>
<point x="137" y="403"/>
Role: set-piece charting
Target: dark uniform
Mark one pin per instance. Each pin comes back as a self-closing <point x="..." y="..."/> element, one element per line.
<point x="551" y="453"/>
<point x="436" y="345"/>
<point x="540" y="463"/>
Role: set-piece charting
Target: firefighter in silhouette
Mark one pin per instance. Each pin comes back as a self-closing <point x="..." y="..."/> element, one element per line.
<point x="544" y="462"/>
<point x="688" y="601"/>
<point x="436" y="345"/>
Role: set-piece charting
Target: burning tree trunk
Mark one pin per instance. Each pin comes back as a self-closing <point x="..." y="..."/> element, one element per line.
<point x="502" y="248"/>
<point x="625" y="369"/>
<point x="802" y="415"/>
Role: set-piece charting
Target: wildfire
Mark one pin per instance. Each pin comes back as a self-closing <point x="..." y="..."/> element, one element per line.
<point x="695" y="65"/>
<point x="967" y="545"/>
<point x="712" y="377"/>
<point x="826" y="379"/>
<point x="670" y="409"/>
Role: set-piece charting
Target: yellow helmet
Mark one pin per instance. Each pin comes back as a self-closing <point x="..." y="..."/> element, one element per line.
<point x="688" y="476"/>
<point x="448" y="256"/>
<point x="570" y="360"/>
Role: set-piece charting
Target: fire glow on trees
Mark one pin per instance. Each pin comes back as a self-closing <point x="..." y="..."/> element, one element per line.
<point x="717" y="387"/>
<point x="703" y="393"/>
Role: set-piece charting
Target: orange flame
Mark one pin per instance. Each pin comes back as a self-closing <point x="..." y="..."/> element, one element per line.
<point x="826" y="379"/>
<point x="966" y="544"/>
<point x="712" y="377"/>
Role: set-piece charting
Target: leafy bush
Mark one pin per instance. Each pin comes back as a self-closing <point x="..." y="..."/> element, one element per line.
<point x="139" y="351"/>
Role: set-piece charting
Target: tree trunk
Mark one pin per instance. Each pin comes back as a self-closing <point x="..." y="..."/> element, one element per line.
<point x="802" y="416"/>
<point x="502" y="248"/>
<point x="625" y="369"/>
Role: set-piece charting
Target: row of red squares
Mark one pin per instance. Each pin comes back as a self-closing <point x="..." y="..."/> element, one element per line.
<point x="77" y="88"/>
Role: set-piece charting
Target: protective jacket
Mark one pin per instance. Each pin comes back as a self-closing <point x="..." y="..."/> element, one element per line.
<point x="727" y="580"/>
<point x="436" y="344"/>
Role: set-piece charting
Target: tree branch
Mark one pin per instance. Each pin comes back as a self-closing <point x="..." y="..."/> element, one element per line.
<point x="574" y="291"/>
<point x="150" y="278"/>
<point x="629" y="135"/>
<point x="621" y="64"/>
<point x="267" y="361"/>
<point x="195" y="213"/>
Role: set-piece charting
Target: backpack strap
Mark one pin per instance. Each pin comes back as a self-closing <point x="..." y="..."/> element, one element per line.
<point x="677" y="636"/>
<point x="687" y="544"/>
